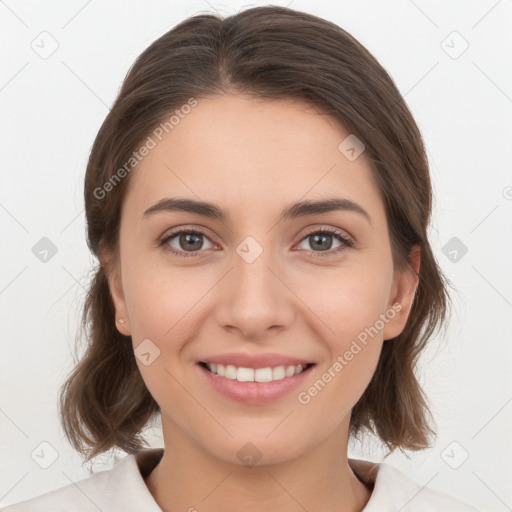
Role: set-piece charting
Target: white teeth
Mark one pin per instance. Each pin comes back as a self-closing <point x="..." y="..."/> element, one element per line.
<point x="254" y="375"/>
<point x="230" y="372"/>
<point x="263" y="375"/>
<point x="290" y="370"/>
<point x="245" y="374"/>
<point x="278" y="373"/>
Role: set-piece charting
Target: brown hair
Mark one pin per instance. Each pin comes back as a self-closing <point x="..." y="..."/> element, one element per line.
<point x="275" y="53"/>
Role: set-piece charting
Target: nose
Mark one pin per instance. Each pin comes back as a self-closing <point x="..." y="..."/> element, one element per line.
<point x="254" y="296"/>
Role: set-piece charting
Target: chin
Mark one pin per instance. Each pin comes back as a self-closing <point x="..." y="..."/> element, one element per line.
<point x="248" y="450"/>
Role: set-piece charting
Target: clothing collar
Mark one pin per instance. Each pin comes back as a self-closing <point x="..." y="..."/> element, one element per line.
<point x="392" y="490"/>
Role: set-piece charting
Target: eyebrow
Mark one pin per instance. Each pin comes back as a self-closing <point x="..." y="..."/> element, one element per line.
<point x="292" y="211"/>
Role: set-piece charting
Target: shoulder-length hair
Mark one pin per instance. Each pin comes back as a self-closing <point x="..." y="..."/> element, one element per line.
<point x="275" y="53"/>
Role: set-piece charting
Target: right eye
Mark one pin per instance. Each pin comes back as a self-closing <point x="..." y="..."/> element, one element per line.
<point x="187" y="239"/>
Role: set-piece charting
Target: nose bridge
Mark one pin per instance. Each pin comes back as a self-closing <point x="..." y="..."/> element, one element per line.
<point x="252" y="277"/>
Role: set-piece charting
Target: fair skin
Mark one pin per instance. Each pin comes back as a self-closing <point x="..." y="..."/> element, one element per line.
<point x="253" y="158"/>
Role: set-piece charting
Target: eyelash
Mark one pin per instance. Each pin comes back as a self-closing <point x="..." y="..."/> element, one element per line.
<point x="346" y="242"/>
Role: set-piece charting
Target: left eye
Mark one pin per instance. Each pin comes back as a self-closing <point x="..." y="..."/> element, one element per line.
<point x="324" y="237"/>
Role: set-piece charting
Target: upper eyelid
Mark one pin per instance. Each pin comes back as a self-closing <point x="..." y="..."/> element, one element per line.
<point x="172" y="233"/>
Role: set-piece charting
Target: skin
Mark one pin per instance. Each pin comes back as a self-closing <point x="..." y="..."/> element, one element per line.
<point x="265" y="154"/>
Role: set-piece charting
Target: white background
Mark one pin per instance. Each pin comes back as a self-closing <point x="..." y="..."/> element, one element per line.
<point x="51" y="111"/>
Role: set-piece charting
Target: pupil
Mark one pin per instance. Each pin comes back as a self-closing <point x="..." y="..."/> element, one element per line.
<point x="186" y="238"/>
<point x="315" y="237"/>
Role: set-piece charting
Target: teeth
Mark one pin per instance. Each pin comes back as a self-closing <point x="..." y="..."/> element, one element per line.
<point x="230" y="372"/>
<point x="290" y="370"/>
<point x="254" y="375"/>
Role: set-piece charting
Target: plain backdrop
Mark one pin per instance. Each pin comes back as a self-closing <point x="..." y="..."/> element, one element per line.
<point x="62" y="66"/>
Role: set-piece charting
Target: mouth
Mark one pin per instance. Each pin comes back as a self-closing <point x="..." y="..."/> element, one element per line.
<point x="254" y="386"/>
<point x="258" y="375"/>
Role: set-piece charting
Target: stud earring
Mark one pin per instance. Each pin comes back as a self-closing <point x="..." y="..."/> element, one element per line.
<point x="121" y="320"/>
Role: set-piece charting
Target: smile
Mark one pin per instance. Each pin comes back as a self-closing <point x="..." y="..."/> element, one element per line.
<point x="266" y="374"/>
<point x="254" y="386"/>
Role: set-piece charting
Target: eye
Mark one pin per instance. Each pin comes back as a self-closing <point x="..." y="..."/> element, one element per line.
<point x="187" y="239"/>
<point x="322" y="239"/>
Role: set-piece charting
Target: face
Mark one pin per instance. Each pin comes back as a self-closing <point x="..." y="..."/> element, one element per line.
<point x="305" y="287"/>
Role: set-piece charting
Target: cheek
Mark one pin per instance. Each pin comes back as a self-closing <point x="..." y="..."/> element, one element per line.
<point x="350" y="314"/>
<point x="159" y="301"/>
<point x="350" y="308"/>
<point x="346" y="300"/>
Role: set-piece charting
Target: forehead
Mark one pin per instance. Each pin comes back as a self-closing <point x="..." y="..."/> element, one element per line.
<point x="253" y="155"/>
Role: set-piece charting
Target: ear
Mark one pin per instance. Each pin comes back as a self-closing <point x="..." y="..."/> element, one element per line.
<point x="402" y="295"/>
<point x="112" y="271"/>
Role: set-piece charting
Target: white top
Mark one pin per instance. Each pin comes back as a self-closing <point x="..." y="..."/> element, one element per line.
<point x="122" y="488"/>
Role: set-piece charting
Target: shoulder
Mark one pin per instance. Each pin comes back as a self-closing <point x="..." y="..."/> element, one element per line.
<point x="119" y="488"/>
<point x="80" y="495"/>
<point x="393" y="491"/>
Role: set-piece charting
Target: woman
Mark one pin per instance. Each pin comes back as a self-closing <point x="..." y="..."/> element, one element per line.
<point x="258" y="199"/>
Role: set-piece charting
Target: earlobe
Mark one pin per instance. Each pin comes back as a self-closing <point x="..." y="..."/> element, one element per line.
<point x="402" y="298"/>
<point x="116" y="292"/>
<point x="122" y="326"/>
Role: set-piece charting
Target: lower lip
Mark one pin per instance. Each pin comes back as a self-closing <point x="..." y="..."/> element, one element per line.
<point x="254" y="392"/>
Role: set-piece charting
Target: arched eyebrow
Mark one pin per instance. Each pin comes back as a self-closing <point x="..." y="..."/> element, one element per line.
<point x="292" y="211"/>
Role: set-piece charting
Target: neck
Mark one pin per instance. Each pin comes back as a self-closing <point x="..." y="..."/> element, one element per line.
<point x="190" y="478"/>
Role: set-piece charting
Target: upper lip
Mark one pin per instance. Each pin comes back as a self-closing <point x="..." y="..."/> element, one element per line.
<point x="255" y="361"/>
